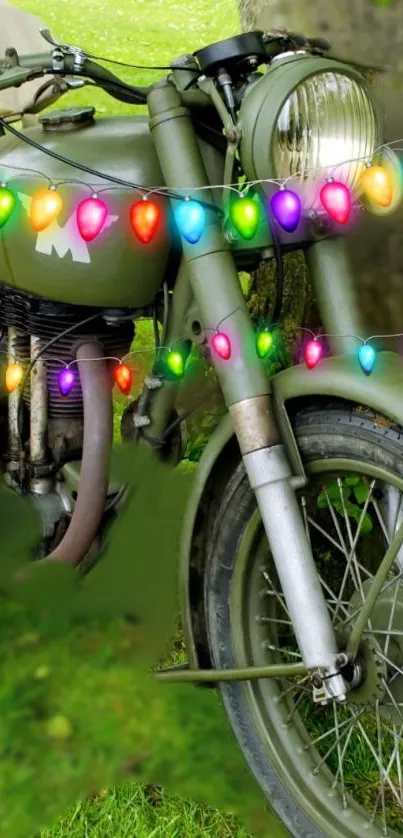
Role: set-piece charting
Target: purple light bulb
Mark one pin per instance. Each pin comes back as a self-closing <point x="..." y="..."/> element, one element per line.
<point x="65" y="380"/>
<point x="286" y="208"/>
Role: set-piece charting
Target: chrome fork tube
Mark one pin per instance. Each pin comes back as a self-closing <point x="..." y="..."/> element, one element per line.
<point x="270" y="477"/>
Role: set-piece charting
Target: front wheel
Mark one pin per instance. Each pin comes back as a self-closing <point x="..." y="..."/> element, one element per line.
<point x="334" y="771"/>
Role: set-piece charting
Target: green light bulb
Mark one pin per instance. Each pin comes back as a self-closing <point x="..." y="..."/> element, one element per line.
<point x="7" y="204"/>
<point x="176" y="363"/>
<point x="245" y="215"/>
<point x="264" y="343"/>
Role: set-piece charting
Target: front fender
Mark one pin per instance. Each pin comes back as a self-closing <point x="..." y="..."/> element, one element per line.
<point x="338" y="377"/>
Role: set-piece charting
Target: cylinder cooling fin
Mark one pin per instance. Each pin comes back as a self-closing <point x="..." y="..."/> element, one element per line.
<point x="46" y="320"/>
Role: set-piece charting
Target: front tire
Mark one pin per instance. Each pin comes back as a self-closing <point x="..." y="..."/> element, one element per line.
<point x="334" y="441"/>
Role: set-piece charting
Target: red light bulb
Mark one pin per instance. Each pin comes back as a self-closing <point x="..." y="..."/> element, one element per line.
<point x="91" y="217"/>
<point x="222" y="345"/>
<point x="313" y="353"/>
<point x="123" y="378"/>
<point x="145" y="217"/>
<point x="336" y="200"/>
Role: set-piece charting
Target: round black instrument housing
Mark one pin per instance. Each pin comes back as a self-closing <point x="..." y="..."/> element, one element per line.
<point x="232" y="52"/>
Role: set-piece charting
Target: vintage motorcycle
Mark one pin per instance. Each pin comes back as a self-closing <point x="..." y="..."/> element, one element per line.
<point x="292" y="557"/>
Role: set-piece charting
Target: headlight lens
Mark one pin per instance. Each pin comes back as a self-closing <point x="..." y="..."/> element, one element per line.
<point x="326" y="124"/>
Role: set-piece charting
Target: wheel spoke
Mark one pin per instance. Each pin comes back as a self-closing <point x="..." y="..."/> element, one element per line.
<point x="340" y="755"/>
<point x="264" y="619"/>
<point x="397" y="706"/>
<point x="332" y="747"/>
<point x="299" y="685"/>
<point x="273" y="648"/>
<point x="398" y="741"/>
<point x="352" y="560"/>
<point x="342" y="546"/>
<point x="334" y="600"/>
<point x="390" y="663"/>
<point x="335" y="522"/>
<point x="381" y="521"/>
<point x="305" y="517"/>
<point x="352" y="541"/>
<point x="273" y="592"/>
<point x="391" y="617"/>
<point x="294" y="709"/>
<point x="344" y="749"/>
<point x="381" y="773"/>
<point x="332" y="730"/>
<point x="394" y="514"/>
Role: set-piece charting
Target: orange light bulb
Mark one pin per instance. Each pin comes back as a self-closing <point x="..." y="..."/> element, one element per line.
<point x="377" y="184"/>
<point x="45" y="207"/>
<point x="14" y="376"/>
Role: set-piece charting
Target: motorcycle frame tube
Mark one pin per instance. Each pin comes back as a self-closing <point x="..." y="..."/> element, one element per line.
<point x="217" y="291"/>
<point x="161" y="401"/>
<point x="330" y="272"/>
<point x="246" y="673"/>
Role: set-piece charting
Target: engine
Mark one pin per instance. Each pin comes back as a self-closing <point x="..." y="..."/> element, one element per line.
<point x="42" y="430"/>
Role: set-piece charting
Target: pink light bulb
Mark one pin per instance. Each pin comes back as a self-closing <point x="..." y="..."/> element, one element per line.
<point x="336" y="200"/>
<point x="313" y="353"/>
<point x="222" y="345"/>
<point x="91" y="216"/>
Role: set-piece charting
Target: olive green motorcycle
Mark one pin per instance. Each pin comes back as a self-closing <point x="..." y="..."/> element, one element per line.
<point x="292" y="553"/>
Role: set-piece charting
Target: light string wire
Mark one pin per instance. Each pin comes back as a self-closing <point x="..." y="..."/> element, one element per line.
<point x="119" y="181"/>
<point x="164" y="191"/>
<point x="171" y="347"/>
<point x="65" y="365"/>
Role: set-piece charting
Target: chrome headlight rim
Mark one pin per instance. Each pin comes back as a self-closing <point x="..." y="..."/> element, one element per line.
<point x="264" y="103"/>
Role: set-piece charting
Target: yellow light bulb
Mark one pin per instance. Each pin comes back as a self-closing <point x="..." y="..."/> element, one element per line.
<point x="14" y="376"/>
<point x="377" y="184"/>
<point x="45" y="207"/>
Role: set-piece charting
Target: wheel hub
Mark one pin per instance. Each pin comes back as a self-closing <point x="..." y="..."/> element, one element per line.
<point x="380" y="655"/>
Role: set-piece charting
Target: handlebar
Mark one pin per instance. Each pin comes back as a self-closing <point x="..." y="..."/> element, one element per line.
<point x="36" y="65"/>
<point x="16" y="70"/>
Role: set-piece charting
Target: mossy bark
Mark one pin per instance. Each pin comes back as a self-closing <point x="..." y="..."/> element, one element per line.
<point x="298" y="302"/>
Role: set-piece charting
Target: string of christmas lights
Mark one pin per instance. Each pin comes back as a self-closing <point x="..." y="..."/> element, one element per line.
<point x="245" y="211"/>
<point x="175" y="360"/>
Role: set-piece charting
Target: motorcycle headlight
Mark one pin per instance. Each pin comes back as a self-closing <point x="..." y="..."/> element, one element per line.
<point x="327" y="122"/>
<point x="308" y="118"/>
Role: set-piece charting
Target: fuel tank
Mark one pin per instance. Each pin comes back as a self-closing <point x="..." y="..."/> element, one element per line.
<point x="115" y="268"/>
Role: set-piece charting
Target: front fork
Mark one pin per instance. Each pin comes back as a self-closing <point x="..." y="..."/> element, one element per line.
<point x="215" y="285"/>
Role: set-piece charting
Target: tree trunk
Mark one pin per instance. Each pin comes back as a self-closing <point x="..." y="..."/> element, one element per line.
<point x="371" y="31"/>
<point x="20" y="30"/>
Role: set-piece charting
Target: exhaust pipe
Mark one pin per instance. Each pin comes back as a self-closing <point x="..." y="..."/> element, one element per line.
<point x="97" y="444"/>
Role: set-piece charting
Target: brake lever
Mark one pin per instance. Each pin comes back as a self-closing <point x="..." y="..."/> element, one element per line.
<point x="47" y="35"/>
<point x="64" y="49"/>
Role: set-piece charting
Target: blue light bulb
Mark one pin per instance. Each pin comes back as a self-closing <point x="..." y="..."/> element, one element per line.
<point x="190" y="218"/>
<point x="366" y="357"/>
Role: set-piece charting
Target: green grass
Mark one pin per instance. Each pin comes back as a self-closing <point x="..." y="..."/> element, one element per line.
<point x="145" y="812"/>
<point x="134" y="31"/>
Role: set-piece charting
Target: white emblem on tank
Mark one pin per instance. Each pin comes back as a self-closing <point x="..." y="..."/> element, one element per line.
<point x="63" y="239"/>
